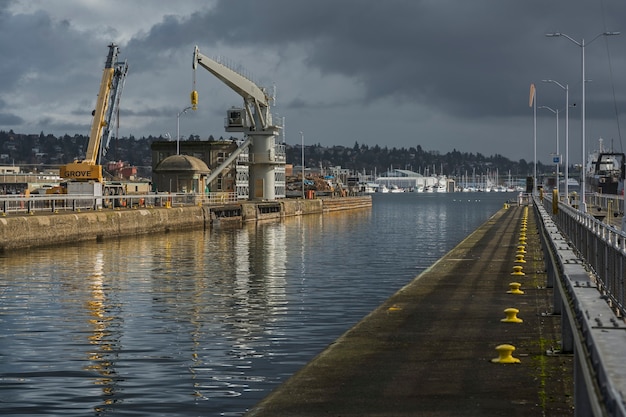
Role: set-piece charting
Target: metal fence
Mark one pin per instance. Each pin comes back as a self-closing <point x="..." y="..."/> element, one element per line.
<point x="601" y="244"/>
<point x="56" y="203"/>
<point x="585" y="296"/>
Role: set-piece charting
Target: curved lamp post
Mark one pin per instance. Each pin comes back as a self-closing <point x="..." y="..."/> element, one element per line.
<point x="581" y="44"/>
<point x="557" y="140"/>
<point x="183" y="111"/>
<point x="566" y="88"/>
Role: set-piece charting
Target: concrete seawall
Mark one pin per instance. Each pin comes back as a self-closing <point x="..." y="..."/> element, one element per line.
<point x="431" y="349"/>
<point x="24" y="231"/>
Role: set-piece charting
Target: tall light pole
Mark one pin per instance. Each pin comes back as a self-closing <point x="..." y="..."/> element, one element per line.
<point x="533" y="103"/>
<point x="183" y="111"/>
<point x="566" y="88"/>
<point x="302" y="138"/>
<point x="581" y="44"/>
<point x="557" y="141"/>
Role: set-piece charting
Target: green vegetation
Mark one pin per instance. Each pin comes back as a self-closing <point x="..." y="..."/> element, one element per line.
<point x="38" y="152"/>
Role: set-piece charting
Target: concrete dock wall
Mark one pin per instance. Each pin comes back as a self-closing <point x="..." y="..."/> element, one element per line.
<point x="23" y="231"/>
<point x="45" y="230"/>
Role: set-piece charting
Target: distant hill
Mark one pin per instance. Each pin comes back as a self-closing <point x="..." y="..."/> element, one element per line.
<point x="38" y="152"/>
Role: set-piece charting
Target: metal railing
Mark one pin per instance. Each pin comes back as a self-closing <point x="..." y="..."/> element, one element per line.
<point x="56" y="203"/>
<point x="584" y="262"/>
<point x="601" y="244"/>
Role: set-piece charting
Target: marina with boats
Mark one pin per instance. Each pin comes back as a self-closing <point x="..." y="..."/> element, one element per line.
<point x="401" y="180"/>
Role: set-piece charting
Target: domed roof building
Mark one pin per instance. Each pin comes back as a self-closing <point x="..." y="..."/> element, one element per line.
<point x="180" y="174"/>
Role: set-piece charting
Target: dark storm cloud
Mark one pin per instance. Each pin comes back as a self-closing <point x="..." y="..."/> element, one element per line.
<point x="7" y="117"/>
<point x="471" y="59"/>
<point x="455" y="74"/>
<point x="35" y="44"/>
<point x="10" y="119"/>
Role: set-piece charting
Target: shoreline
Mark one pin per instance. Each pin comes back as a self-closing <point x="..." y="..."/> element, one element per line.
<point x="30" y="231"/>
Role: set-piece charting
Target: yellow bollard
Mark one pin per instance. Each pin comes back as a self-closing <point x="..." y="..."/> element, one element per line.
<point x="521" y="249"/>
<point x="505" y="354"/>
<point x="522" y="240"/>
<point x="519" y="258"/>
<point x="514" y="288"/>
<point x="518" y="270"/>
<point x="511" y="316"/>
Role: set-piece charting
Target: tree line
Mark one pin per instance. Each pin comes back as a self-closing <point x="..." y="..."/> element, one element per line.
<point x="43" y="151"/>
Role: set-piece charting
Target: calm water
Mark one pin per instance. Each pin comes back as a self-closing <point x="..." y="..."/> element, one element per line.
<point x="208" y="323"/>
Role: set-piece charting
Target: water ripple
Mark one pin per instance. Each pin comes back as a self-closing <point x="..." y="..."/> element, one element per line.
<point x="206" y="323"/>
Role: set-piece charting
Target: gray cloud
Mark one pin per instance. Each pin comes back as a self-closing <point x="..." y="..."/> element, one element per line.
<point x="443" y="74"/>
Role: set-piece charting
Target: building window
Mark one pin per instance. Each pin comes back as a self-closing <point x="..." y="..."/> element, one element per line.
<point x="221" y="157"/>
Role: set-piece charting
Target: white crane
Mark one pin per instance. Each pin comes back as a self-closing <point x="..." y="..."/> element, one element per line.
<point x="254" y="120"/>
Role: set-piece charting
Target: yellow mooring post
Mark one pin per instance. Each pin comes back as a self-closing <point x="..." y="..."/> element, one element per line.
<point x="511" y="316"/>
<point x="514" y="288"/>
<point x="394" y="307"/>
<point x="505" y="354"/>
<point x="517" y="270"/>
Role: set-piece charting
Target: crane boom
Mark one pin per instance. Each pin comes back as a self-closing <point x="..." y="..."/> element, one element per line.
<point x="252" y="94"/>
<point x="117" y="85"/>
<point x="240" y="84"/>
<point x="107" y="103"/>
<point x="256" y="123"/>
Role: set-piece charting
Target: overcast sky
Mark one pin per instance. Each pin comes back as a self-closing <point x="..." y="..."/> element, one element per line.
<point x="398" y="73"/>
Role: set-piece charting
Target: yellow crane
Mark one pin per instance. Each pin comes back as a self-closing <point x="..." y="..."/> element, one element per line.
<point x="104" y="116"/>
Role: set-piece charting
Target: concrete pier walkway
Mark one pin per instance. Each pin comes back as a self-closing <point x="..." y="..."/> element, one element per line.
<point x="428" y="350"/>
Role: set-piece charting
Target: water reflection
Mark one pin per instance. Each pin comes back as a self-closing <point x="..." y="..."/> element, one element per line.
<point x="104" y="338"/>
<point x="204" y="322"/>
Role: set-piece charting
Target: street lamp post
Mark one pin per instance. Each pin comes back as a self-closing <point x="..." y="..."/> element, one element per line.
<point x="533" y="103"/>
<point x="302" y="137"/>
<point x="566" y="88"/>
<point x="183" y="111"/>
<point x="557" y="141"/>
<point x="581" y="44"/>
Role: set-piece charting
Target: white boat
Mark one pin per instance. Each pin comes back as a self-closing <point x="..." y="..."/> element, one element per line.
<point x="382" y="188"/>
<point x="370" y="187"/>
<point x="395" y="189"/>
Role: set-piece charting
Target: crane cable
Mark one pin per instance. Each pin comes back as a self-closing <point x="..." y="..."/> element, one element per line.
<point x="194" y="92"/>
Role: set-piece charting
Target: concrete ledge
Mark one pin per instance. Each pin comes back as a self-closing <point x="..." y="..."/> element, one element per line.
<point x="428" y="350"/>
<point x="53" y="229"/>
<point x="43" y="230"/>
